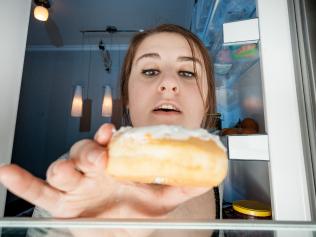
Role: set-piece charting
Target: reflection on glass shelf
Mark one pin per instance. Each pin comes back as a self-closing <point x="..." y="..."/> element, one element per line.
<point x="106" y="233"/>
<point x="98" y="227"/>
<point x="88" y="232"/>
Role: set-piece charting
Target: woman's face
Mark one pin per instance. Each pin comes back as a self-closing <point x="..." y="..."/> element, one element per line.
<point x="162" y="87"/>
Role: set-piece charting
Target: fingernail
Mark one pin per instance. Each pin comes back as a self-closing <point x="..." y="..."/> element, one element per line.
<point x="113" y="130"/>
<point x="101" y="135"/>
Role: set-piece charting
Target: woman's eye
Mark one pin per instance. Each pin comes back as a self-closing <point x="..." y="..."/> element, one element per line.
<point x="150" y="72"/>
<point x="187" y="74"/>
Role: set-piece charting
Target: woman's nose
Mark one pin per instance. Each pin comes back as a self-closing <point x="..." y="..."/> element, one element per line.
<point x="169" y="83"/>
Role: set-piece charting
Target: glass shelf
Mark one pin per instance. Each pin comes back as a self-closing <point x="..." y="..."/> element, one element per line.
<point x="100" y="227"/>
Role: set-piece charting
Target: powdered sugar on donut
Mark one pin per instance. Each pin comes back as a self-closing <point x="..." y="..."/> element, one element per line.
<point x="166" y="131"/>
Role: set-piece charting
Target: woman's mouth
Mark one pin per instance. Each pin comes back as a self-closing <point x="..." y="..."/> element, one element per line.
<point x="166" y="109"/>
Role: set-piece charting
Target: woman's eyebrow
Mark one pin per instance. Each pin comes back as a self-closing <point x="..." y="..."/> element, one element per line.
<point x="186" y="58"/>
<point x="180" y="59"/>
<point x="148" y="55"/>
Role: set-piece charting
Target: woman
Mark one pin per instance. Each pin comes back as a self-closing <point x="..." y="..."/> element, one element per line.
<point x="166" y="67"/>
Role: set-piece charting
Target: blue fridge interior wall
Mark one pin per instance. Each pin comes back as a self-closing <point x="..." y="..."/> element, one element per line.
<point x="230" y="62"/>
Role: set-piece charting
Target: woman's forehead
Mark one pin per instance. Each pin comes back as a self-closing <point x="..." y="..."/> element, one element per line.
<point x="166" y="42"/>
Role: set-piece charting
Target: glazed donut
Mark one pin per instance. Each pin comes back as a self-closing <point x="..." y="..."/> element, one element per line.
<point x="167" y="154"/>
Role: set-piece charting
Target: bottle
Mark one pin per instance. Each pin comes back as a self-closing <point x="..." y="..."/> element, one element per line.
<point x="218" y="121"/>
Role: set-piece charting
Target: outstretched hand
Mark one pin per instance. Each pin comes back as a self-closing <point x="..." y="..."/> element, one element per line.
<point x="80" y="187"/>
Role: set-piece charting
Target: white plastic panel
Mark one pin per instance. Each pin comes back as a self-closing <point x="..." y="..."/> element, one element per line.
<point x="241" y="32"/>
<point x="248" y="147"/>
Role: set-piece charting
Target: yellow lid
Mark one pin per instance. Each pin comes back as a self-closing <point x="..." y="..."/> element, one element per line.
<point x="252" y="208"/>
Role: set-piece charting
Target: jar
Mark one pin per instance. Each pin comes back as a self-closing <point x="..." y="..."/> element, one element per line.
<point x="247" y="209"/>
<point x="251" y="209"/>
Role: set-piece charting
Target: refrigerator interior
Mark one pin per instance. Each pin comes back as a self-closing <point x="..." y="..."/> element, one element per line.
<point x="238" y="89"/>
<point x="286" y="152"/>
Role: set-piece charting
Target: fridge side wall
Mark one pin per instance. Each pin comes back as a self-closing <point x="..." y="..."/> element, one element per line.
<point x="290" y="200"/>
<point x="303" y="31"/>
<point x="14" y="18"/>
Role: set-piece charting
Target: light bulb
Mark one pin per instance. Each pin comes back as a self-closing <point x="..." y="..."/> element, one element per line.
<point x="107" y="102"/>
<point x="41" y="13"/>
<point x="77" y="103"/>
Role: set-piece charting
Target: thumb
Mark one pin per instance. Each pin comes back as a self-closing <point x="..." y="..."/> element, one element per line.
<point x="104" y="134"/>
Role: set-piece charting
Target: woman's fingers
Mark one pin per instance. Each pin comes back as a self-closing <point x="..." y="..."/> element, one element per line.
<point x="32" y="189"/>
<point x="86" y="157"/>
<point x="104" y="134"/>
<point x="89" y="157"/>
<point x="63" y="175"/>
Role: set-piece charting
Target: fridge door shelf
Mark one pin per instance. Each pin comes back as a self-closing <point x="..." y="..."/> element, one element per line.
<point x="235" y="33"/>
<point x="248" y="147"/>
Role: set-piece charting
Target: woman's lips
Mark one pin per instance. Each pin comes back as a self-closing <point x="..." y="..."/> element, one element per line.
<point x="166" y="113"/>
<point x="166" y="108"/>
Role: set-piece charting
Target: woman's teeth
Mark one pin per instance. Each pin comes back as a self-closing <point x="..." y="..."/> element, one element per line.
<point x="167" y="107"/>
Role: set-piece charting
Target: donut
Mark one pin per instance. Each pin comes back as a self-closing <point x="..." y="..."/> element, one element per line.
<point x="168" y="155"/>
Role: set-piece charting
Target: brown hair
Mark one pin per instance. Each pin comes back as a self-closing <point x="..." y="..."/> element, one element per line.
<point x="193" y="41"/>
